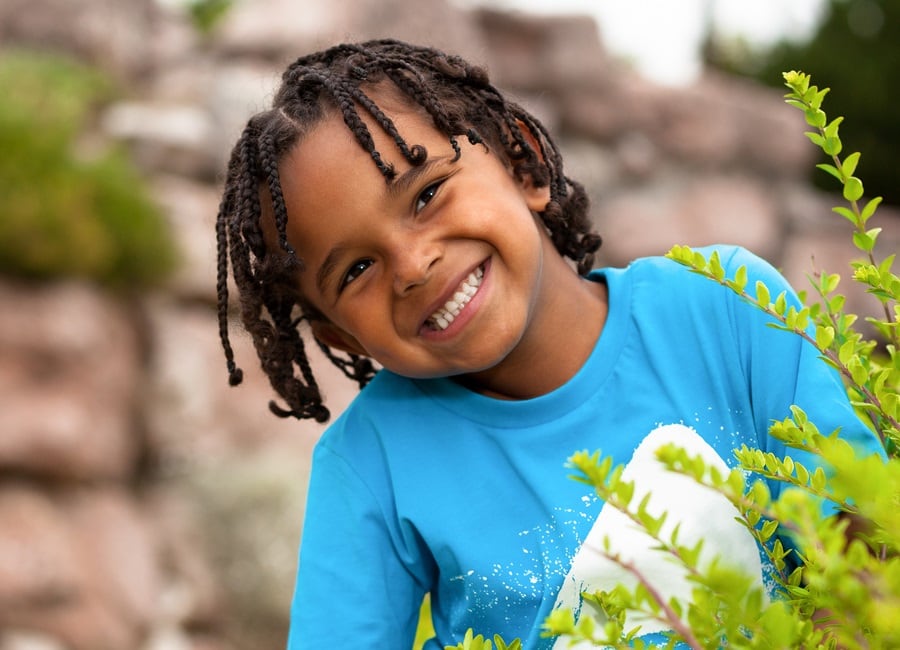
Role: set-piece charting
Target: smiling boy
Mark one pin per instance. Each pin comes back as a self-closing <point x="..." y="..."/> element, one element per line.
<point x="393" y="200"/>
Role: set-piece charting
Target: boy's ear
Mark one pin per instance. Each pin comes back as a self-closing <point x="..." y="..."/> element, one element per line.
<point x="334" y="337"/>
<point x="537" y="197"/>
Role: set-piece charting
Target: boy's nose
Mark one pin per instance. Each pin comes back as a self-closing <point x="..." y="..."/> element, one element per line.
<point x="413" y="267"/>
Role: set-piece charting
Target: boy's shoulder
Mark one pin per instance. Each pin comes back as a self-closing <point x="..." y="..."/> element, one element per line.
<point x="380" y="399"/>
<point x="654" y="288"/>
<point x="661" y="270"/>
<point x="664" y="269"/>
<point x="731" y="256"/>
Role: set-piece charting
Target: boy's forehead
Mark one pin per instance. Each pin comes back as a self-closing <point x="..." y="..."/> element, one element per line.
<point x="329" y="167"/>
<point x="412" y="124"/>
<point x="389" y="98"/>
<point x="391" y="101"/>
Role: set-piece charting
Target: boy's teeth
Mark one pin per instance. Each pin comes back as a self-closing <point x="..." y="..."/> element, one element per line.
<point x="442" y="318"/>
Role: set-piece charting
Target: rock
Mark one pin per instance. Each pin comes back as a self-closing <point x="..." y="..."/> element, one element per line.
<point x="26" y="640"/>
<point x="546" y="54"/>
<point x="235" y="91"/>
<point x="281" y="30"/>
<point x="194" y="416"/>
<point x="165" y="138"/>
<point x="115" y="35"/>
<point x="695" y="212"/>
<point x="80" y="567"/>
<point x="68" y="383"/>
<point x="820" y="241"/>
<point x="191" y="209"/>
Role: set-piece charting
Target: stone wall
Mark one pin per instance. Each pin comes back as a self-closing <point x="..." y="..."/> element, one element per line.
<point x="145" y="505"/>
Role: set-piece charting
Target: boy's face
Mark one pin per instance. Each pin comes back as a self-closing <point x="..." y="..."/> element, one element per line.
<point x="386" y="264"/>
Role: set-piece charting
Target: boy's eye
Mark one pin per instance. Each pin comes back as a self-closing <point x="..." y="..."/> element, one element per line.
<point x="427" y="194"/>
<point x="356" y="269"/>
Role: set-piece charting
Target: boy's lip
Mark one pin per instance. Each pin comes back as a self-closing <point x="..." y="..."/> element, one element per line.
<point x="451" y="288"/>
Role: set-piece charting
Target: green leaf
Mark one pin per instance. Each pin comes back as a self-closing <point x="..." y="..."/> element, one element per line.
<point x="816" y="138"/>
<point x="816" y="101"/>
<point x="715" y="266"/>
<point x="824" y="337"/>
<point x="816" y="118"/>
<point x="858" y="371"/>
<point x="832" y="146"/>
<point x="830" y="282"/>
<point x="853" y="189"/>
<point x="863" y="241"/>
<point x="762" y="294"/>
<point x="740" y="279"/>
<point x="780" y="304"/>
<point x="699" y="261"/>
<point x="818" y="479"/>
<point x="802" y="474"/>
<point x="831" y="131"/>
<point x="869" y="210"/>
<point x="849" y="164"/>
<point x="846" y="352"/>
<point x="831" y="169"/>
<point x="768" y="529"/>
<point x="809" y="95"/>
<point x="847" y="213"/>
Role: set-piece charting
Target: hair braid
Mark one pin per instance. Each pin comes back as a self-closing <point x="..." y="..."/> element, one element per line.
<point x="459" y="99"/>
<point x="415" y="155"/>
<point x="235" y="374"/>
<point x="347" y="106"/>
<point x="270" y="167"/>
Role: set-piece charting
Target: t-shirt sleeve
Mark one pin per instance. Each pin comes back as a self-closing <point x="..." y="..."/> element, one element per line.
<point x="783" y="369"/>
<point x="353" y="587"/>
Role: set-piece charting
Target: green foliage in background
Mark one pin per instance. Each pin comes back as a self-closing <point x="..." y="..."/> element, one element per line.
<point x="845" y="593"/>
<point x="68" y="211"/>
<point x="206" y="14"/>
<point x="857" y="49"/>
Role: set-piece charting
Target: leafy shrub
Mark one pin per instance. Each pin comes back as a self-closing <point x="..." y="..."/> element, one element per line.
<point x="66" y="213"/>
<point x="207" y="14"/>
<point x="844" y="594"/>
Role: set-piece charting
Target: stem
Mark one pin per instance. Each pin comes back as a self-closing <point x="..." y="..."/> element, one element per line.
<point x="830" y="354"/>
<point x="845" y="371"/>
<point x="860" y="226"/>
<point x="670" y="617"/>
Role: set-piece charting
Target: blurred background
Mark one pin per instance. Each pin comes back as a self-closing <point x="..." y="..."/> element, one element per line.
<point x="144" y="504"/>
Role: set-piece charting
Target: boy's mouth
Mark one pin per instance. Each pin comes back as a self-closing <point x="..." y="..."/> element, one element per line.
<point x="441" y="319"/>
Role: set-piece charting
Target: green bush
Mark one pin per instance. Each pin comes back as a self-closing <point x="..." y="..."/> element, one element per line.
<point x="846" y="591"/>
<point x="66" y="212"/>
<point x="854" y="48"/>
<point x="207" y="14"/>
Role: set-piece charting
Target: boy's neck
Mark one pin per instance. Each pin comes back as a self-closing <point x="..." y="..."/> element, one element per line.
<point x="567" y="332"/>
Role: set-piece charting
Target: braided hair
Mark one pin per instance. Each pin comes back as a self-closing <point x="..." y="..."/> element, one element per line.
<point x="460" y="101"/>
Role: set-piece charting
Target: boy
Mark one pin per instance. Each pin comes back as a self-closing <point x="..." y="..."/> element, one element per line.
<point x="395" y="202"/>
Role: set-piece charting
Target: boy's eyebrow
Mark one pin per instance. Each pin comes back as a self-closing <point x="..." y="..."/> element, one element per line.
<point x="408" y="178"/>
<point x="327" y="267"/>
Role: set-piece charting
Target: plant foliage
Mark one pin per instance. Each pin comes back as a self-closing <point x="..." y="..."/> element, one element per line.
<point x="67" y="212"/>
<point x="850" y="32"/>
<point x="207" y="14"/>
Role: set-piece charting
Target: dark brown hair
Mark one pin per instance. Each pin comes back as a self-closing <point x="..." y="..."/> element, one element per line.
<point x="460" y="101"/>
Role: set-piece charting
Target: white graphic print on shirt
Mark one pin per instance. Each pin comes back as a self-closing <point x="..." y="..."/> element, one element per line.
<point x="701" y="513"/>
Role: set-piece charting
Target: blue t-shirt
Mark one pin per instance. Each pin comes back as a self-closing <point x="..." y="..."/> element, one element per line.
<point x="424" y="486"/>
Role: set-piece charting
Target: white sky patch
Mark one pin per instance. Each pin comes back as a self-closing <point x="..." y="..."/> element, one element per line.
<point x="663" y="38"/>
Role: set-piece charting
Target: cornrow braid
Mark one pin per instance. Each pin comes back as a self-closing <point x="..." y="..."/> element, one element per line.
<point x="460" y="101"/>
